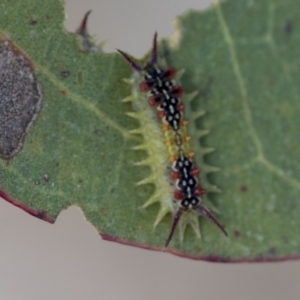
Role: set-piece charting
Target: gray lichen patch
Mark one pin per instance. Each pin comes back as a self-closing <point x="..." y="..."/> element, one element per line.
<point x="20" y="99"/>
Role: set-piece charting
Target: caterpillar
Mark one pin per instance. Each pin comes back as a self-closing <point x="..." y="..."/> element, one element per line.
<point x="163" y="93"/>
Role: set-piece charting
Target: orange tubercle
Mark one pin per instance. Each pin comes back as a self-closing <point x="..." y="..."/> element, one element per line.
<point x="184" y="122"/>
<point x="144" y="87"/>
<point x="172" y="159"/>
<point x="170" y="73"/>
<point x="175" y="175"/>
<point x="195" y="172"/>
<point x="191" y="155"/>
<point x="178" y="195"/>
<point x="169" y="143"/>
<point x="165" y="127"/>
<point x="200" y="191"/>
<point x="181" y="106"/>
<point x="178" y="91"/>
<point x="161" y="114"/>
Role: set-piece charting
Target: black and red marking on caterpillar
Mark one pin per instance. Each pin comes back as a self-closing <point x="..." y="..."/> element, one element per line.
<point x="164" y="96"/>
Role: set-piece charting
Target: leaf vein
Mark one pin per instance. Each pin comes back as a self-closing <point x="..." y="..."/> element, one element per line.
<point x="85" y="103"/>
<point x="248" y="117"/>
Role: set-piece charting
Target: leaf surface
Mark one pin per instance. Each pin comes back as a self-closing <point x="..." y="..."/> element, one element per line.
<point x="242" y="57"/>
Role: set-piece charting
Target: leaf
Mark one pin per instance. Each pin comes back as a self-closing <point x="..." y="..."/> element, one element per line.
<point x="241" y="56"/>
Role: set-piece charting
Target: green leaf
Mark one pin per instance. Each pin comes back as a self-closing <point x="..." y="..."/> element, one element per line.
<point x="242" y="57"/>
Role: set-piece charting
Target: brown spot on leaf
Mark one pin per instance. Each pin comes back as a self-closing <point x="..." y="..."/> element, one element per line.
<point x="20" y="98"/>
<point x="65" y="73"/>
<point x="98" y="132"/>
<point x="63" y="92"/>
<point x="244" y="188"/>
<point x="288" y="28"/>
<point x="237" y="233"/>
<point x="33" y="22"/>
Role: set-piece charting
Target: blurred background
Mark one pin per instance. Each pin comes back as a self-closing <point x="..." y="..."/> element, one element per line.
<point x="68" y="260"/>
